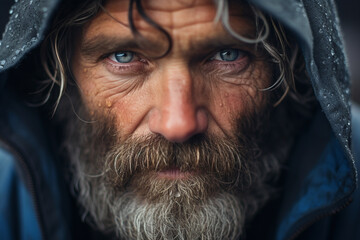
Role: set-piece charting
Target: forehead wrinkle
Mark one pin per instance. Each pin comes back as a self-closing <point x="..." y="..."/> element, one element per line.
<point x="172" y="14"/>
<point x="180" y="18"/>
<point x="173" y="5"/>
<point x="164" y="14"/>
<point x="203" y="14"/>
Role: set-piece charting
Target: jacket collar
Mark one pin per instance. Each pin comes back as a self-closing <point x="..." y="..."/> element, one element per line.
<point x="320" y="180"/>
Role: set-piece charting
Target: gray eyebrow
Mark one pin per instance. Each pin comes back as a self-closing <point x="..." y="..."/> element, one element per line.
<point x="102" y="44"/>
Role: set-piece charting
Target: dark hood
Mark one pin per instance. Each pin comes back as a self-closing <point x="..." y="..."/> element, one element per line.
<point x="315" y="24"/>
<point x="25" y="30"/>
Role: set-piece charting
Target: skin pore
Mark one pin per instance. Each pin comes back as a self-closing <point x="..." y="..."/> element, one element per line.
<point x="208" y="79"/>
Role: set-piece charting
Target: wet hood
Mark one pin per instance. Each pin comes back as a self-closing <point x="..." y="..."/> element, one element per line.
<point x="313" y="22"/>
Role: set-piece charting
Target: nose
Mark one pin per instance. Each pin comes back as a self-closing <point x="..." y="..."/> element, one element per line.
<point x="178" y="114"/>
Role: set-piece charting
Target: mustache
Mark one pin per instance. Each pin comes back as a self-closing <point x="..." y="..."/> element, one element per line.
<point x="225" y="159"/>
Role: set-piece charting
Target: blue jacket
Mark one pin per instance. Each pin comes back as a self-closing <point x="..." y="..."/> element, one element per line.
<point x="320" y="198"/>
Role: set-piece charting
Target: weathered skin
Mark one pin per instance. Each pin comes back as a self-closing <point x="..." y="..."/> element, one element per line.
<point x="189" y="91"/>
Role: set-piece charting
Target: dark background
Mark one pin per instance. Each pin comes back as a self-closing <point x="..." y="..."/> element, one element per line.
<point x="349" y="11"/>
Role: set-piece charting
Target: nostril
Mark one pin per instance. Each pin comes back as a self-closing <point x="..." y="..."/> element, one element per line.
<point x="178" y="127"/>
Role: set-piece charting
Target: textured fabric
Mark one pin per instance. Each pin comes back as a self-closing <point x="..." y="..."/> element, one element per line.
<point x="37" y="170"/>
<point x="25" y="29"/>
<point x="344" y="224"/>
<point x="16" y="205"/>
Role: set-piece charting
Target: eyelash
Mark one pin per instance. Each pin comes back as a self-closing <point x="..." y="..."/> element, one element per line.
<point x="136" y="66"/>
<point x="239" y="65"/>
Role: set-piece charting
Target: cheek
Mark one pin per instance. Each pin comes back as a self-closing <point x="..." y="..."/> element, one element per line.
<point x="84" y="76"/>
<point x="96" y="93"/>
<point x="237" y="101"/>
<point x="90" y="90"/>
<point x="103" y="95"/>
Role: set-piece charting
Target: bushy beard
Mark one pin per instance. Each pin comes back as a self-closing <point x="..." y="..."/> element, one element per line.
<point x="117" y="180"/>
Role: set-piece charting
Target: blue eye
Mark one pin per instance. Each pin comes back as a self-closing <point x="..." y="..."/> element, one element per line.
<point x="228" y="55"/>
<point x="124" y="57"/>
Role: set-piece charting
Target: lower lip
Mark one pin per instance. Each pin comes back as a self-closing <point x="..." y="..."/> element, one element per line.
<point x="174" y="173"/>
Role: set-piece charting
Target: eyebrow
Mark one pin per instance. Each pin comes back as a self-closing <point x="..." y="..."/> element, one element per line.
<point x="102" y="44"/>
<point x="216" y="43"/>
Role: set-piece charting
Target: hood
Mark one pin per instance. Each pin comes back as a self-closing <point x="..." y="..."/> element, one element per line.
<point x="314" y="23"/>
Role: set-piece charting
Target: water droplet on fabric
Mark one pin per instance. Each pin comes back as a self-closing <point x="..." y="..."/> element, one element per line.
<point x="7" y="46"/>
<point x="177" y="194"/>
<point x="332" y="52"/>
<point x="16" y="15"/>
<point x="17" y="52"/>
<point x="11" y="11"/>
<point x="2" y="62"/>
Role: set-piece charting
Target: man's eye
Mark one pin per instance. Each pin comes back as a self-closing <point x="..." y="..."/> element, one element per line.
<point x="122" y="57"/>
<point x="228" y="55"/>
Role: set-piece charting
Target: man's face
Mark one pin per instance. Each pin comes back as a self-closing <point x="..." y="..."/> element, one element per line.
<point x="207" y="81"/>
<point x="175" y="134"/>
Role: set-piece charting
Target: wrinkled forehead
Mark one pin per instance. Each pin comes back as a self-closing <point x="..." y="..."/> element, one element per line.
<point x="190" y="24"/>
<point x="176" y="13"/>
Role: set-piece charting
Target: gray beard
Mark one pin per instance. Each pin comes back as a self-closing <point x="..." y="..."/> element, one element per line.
<point x="114" y="181"/>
